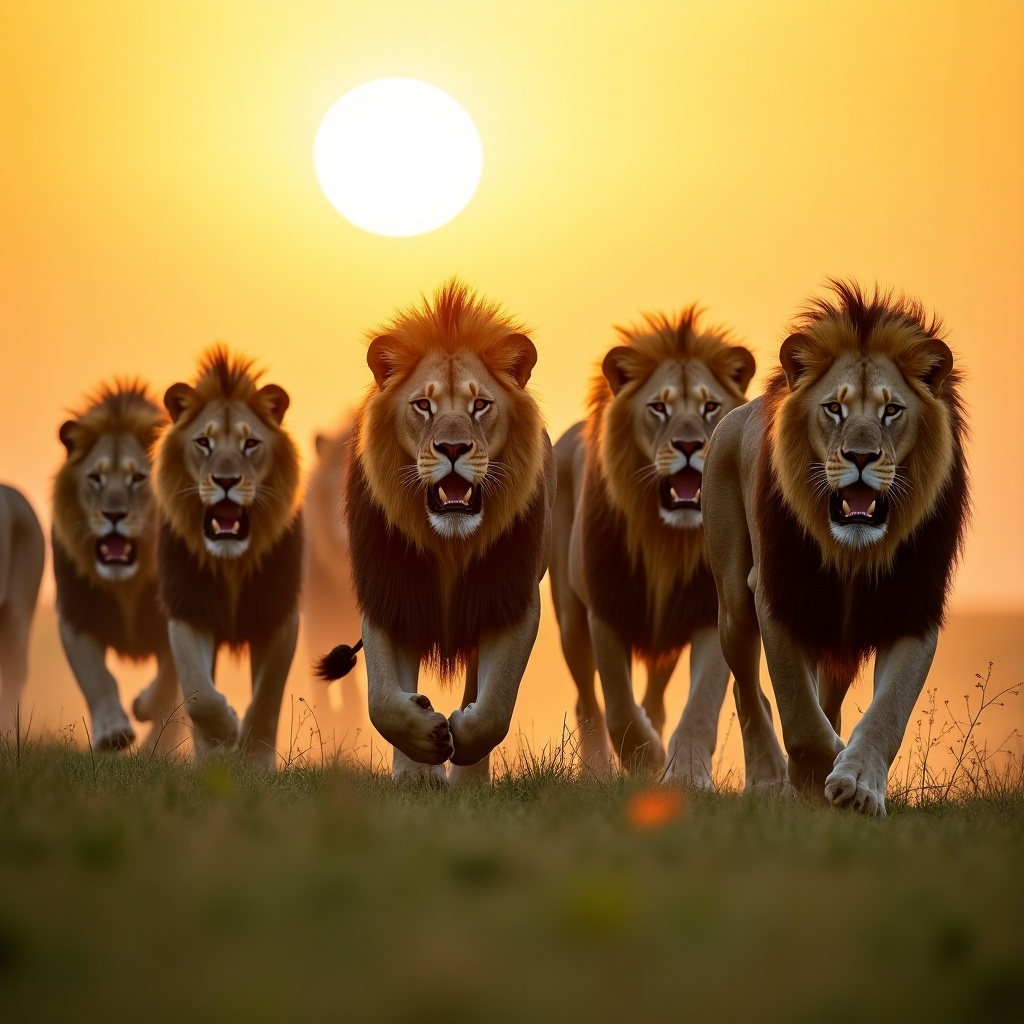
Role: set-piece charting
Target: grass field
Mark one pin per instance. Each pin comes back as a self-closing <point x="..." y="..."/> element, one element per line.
<point x="151" y="888"/>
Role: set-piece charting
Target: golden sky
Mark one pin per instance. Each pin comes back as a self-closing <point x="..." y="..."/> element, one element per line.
<point x="157" y="192"/>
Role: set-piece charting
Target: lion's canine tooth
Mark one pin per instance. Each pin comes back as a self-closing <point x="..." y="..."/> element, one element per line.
<point x="696" y="497"/>
<point x="104" y="550"/>
<point x="236" y="526"/>
<point x="469" y="495"/>
<point x="871" y="507"/>
<point x="672" y="493"/>
<point x="216" y="526"/>
<point x="846" y="507"/>
<point x="442" y="495"/>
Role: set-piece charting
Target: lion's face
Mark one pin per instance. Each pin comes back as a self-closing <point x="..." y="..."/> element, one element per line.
<point x="664" y="413"/>
<point x="863" y="422"/>
<point x="228" y="451"/>
<point x="452" y="420"/>
<point x="112" y="486"/>
<point x="674" y="413"/>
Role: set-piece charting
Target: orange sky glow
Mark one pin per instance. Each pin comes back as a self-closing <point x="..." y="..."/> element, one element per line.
<point x="157" y="192"/>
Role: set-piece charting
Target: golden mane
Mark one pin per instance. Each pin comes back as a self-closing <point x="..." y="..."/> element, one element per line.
<point x="121" y="407"/>
<point x="883" y="325"/>
<point x="225" y="377"/>
<point x="455" y="320"/>
<point x="670" y="556"/>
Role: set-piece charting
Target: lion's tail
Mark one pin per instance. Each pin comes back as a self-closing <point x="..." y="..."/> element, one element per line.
<point x="339" y="662"/>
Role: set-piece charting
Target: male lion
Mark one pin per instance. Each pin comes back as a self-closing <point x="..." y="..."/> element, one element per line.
<point x="835" y="513"/>
<point x="230" y="544"/>
<point x="449" y="494"/>
<point x="104" y="558"/>
<point x="629" y="573"/>
<point x="22" y="552"/>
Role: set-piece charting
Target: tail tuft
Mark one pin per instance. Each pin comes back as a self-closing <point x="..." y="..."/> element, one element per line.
<point x="338" y="662"/>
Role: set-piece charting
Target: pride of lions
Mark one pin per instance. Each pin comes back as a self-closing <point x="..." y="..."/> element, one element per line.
<point x="821" y="520"/>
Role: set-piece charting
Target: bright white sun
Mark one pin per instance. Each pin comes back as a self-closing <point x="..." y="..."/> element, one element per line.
<point x="398" y="157"/>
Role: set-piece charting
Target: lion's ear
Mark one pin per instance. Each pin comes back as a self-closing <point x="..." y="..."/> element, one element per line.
<point x="738" y="365"/>
<point x="794" y="356"/>
<point x="619" y="367"/>
<point x="274" y="400"/>
<point x="523" y="358"/>
<point x="931" y="362"/>
<point x="176" y="400"/>
<point x="70" y="433"/>
<point x="380" y="358"/>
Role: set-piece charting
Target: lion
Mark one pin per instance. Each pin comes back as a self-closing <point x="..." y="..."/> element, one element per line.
<point x="630" y="575"/>
<point x="22" y="555"/>
<point x="451" y="479"/>
<point x="104" y="559"/>
<point x="835" y="515"/>
<point x="328" y="602"/>
<point x="229" y="548"/>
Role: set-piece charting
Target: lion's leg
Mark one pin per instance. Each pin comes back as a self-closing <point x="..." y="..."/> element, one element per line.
<point x="160" y="704"/>
<point x="479" y="773"/>
<point x="195" y="652"/>
<point x="14" y="633"/>
<point x="861" y="770"/>
<point x="692" y="747"/>
<point x="831" y="694"/>
<point x="633" y="737"/>
<point x="111" y="729"/>
<point x="482" y="725"/>
<point x="658" y="676"/>
<point x="23" y="554"/>
<point x="405" y="718"/>
<point x="578" y="651"/>
<point x="811" y="742"/>
<point x="271" y="659"/>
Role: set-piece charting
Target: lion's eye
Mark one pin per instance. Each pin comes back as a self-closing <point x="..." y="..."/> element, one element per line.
<point x="711" y="407"/>
<point x="833" y="408"/>
<point x="250" y="444"/>
<point x="137" y="478"/>
<point x="481" y="403"/>
<point x="203" y="444"/>
<point x="423" y="404"/>
<point x="658" y="407"/>
<point x="95" y="479"/>
<point x="892" y="410"/>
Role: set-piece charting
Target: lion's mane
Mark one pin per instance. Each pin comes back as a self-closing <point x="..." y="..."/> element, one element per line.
<point x="843" y="602"/>
<point x="123" y="614"/>
<point x="663" y="587"/>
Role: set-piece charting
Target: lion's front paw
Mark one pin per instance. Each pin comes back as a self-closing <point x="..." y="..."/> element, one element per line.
<point x="411" y="724"/>
<point x="111" y="729"/>
<point x="474" y="735"/>
<point x="215" y="721"/>
<point x="637" y="744"/>
<point x="857" y="782"/>
<point x="407" y="772"/>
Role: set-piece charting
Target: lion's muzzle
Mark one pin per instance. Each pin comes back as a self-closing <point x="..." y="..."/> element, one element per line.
<point x="226" y="520"/>
<point x="454" y="494"/>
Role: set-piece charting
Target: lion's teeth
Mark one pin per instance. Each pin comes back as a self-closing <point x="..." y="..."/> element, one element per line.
<point x="696" y="497"/>
<point x="236" y="526"/>
<point x="104" y="550"/>
<point x="846" y="507"/>
<point x="469" y="496"/>
<point x="216" y="526"/>
<point x="442" y="495"/>
<point x="871" y="507"/>
<point x="672" y="493"/>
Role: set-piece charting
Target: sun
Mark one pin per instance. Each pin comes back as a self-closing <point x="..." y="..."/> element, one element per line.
<point x="398" y="157"/>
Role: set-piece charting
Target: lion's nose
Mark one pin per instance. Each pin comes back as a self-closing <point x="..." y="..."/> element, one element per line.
<point x="227" y="482"/>
<point x="687" y="447"/>
<point x="861" y="459"/>
<point x="114" y="517"/>
<point x="453" y="451"/>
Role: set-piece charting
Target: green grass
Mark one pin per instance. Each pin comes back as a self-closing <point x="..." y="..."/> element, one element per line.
<point x="150" y="888"/>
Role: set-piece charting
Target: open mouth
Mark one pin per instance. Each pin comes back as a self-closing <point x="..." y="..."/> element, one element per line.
<point x="680" y="490"/>
<point x="227" y="520"/>
<point x="116" y="549"/>
<point x="858" y="505"/>
<point x="454" y="494"/>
